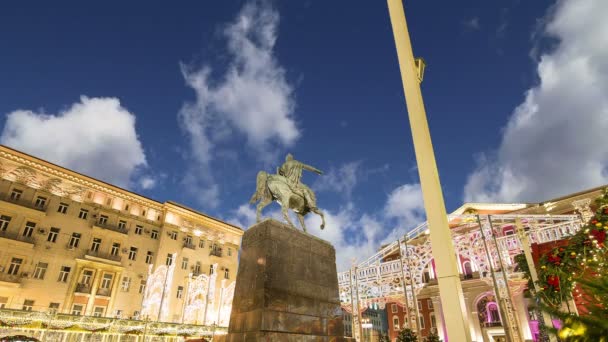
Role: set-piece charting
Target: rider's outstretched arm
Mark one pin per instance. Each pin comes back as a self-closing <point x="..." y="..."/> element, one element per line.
<point x="310" y="168"/>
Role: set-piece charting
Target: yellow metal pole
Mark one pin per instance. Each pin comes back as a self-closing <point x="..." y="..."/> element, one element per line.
<point x="450" y="289"/>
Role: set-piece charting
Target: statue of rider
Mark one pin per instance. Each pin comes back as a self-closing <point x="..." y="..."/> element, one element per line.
<point x="292" y="171"/>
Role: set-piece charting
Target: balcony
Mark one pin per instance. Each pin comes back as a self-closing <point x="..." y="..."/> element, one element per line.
<point x="111" y="227"/>
<point x="216" y="252"/>
<point x="101" y="255"/>
<point x="492" y="324"/>
<point x="83" y="288"/>
<point x="16" y="236"/>
<point x="189" y="245"/>
<point x="29" y="204"/>
<point x="13" y="280"/>
<point x="103" y="292"/>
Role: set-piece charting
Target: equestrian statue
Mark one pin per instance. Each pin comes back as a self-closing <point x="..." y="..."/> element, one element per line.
<point x="286" y="188"/>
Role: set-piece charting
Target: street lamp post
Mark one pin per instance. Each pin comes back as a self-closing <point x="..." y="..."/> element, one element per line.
<point x="450" y="289"/>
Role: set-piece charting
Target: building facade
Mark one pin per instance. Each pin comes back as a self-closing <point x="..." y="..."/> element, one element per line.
<point x="487" y="237"/>
<point x="71" y="244"/>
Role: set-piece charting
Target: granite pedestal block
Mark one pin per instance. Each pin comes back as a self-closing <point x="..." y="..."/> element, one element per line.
<point x="286" y="288"/>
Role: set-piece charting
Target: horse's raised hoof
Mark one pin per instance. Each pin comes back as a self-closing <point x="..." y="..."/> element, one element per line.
<point x="323" y="226"/>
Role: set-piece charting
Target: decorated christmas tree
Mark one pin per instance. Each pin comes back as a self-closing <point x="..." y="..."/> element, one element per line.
<point x="577" y="270"/>
<point x="407" y="335"/>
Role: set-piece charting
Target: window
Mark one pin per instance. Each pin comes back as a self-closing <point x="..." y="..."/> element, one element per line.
<point x="169" y="260"/>
<point x="109" y="201"/>
<point x="197" y="268"/>
<point x="430" y="303"/>
<point x="396" y="323"/>
<point x="421" y="322"/>
<point x="53" y="307"/>
<point x="419" y="305"/>
<point x="139" y="229"/>
<point x="122" y="225"/>
<point x="95" y="245"/>
<point x="394" y="308"/>
<point x="16" y="194"/>
<point x="115" y="248"/>
<point x="53" y="234"/>
<point x="126" y="283"/>
<point x="74" y="240"/>
<point x="77" y="309"/>
<point x="103" y="219"/>
<point x="154" y="234"/>
<point x="83" y="214"/>
<point x="87" y="275"/>
<point x="173" y="235"/>
<point x="15" y="265"/>
<point x="63" y="208"/>
<point x="406" y="322"/>
<point x="211" y="269"/>
<point x="98" y="311"/>
<point x="29" y="229"/>
<point x="106" y="281"/>
<point x="143" y="213"/>
<point x="4" y="221"/>
<point x="133" y="253"/>
<point x="126" y="207"/>
<point x="40" y="202"/>
<point x="64" y="274"/>
<point x="226" y="274"/>
<point x="149" y="257"/>
<point x="184" y="263"/>
<point x="201" y="243"/>
<point x="229" y="251"/>
<point x="28" y="305"/>
<point x="142" y="286"/>
<point x="180" y="292"/>
<point x="40" y="270"/>
<point x="188" y="239"/>
<point x="118" y="313"/>
<point x="433" y="320"/>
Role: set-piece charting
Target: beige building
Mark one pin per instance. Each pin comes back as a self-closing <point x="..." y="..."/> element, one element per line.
<point x="72" y="244"/>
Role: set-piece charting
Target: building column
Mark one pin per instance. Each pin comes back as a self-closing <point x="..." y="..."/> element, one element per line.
<point x="115" y="286"/>
<point x="438" y="312"/>
<point x="94" y="286"/>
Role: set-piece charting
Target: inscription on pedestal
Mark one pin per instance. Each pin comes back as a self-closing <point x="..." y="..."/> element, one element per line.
<point x="286" y="287"/>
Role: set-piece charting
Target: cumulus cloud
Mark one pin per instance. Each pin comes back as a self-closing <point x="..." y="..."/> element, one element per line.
<point x="95" y="136"/>
<point x="358" y="235"/>
<point x="342" y="179"/>
<point x="555" y="141"/>
<point x="252" y="99"/>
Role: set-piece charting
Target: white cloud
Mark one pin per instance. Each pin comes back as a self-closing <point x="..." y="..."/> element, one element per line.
<point x="555" y="141"/>
<point x="252" y="98"/>
<point x="341" y="180"/>
<point x="95" y="136"/>
<point x="147" y="182"/>
<point x="472" y="24"/>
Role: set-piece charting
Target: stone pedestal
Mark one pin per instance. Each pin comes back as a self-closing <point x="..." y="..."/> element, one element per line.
<point x="286" y="288"/>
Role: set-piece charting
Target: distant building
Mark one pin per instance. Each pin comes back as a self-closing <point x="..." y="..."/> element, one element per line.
<point x="380" y="278"/>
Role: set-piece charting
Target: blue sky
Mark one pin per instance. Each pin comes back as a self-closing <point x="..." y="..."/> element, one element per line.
<point x="188" y="102"/>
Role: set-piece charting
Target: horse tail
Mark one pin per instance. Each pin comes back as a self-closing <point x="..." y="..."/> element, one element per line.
<point x="260" y="188"/>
